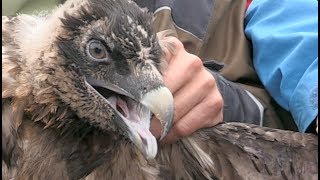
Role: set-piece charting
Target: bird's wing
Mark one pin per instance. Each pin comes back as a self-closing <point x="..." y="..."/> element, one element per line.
<point x="241" y="151"/>
<point x="258" y="152"/>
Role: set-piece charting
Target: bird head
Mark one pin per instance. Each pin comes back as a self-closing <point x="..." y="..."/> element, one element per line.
<point x="109" y="69"/>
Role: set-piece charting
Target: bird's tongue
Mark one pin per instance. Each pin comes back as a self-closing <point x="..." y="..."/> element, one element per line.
<point x="136" y="115"/>
<point x="130" y="109"/>
<point x="137" y="119"/>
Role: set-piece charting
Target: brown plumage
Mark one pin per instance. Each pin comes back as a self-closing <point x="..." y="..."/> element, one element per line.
<point x="78" y="89"/>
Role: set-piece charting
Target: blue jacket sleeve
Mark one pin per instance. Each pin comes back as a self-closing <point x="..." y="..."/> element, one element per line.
<point x="284" y="36"/>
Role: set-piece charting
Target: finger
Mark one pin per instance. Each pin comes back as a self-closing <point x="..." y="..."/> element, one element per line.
<point x="188" y="97"/>
<point x="193" y="93"/>
<point x="195" y="120"/>
<point x="181" y="69"/>
<point x="155" y="127"/>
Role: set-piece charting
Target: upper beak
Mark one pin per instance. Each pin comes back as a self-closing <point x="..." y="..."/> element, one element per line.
<point x="160" y="102"/>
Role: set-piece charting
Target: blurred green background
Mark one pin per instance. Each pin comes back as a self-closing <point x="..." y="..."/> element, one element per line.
<point x="11" y="7"/>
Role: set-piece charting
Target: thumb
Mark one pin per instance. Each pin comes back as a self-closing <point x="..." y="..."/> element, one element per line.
<point x="155" y="127"/>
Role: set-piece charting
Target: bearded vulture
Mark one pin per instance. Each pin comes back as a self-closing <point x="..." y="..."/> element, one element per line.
<point x="79" y="87"/>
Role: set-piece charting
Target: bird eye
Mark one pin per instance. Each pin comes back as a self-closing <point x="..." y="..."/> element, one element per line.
<point x="97" y="50"/>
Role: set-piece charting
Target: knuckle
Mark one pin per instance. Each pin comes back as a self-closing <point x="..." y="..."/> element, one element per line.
<point x="196" y="62"/>
<point x="215" y="103"/>
<point x="177" y="44"/>
<point x="216" y="116"/>
<point x="209" y="81"/>
<point x="212" y="105"/>
<point x="219" y="103"/>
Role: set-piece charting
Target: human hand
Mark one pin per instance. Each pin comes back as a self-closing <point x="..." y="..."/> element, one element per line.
<point x="197" y="100"/>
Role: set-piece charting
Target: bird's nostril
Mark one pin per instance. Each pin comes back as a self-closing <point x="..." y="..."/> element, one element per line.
<point x="145" y="89"/>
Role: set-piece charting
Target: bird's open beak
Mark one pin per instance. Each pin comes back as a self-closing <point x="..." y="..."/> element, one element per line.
<point x="134" y="115"/>
<point x="160" y="103"/>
